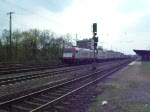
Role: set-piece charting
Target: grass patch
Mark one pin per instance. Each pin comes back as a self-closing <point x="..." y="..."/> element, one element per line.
<point x="109" y="87"/>
<point x="109" y="93"/>
<point x="132" y="84"/>
<point x="116" y="103"/>
<point x="135" y="106"/>
<point x="146" y="65"/>
<point x="119" y="105"/>
<point x="116" y="91"/>
<point x="146" y="69"/>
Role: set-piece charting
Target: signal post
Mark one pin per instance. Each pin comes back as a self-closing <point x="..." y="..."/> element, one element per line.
<point x="95" y="39"/>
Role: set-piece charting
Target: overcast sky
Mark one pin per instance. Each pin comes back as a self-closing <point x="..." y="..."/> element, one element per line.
<point x="123" y="25"/>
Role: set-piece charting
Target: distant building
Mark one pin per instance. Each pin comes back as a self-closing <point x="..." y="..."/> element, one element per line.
<point x="145" y="54"/>
<point x="85" y="43"/>
<point x="100" y="48"/>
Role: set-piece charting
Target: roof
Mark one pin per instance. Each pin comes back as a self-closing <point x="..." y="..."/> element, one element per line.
<point x="142" y="52"/>
<point x="84" y="40"/>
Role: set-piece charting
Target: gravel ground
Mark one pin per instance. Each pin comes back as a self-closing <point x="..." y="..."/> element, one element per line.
<point x="141" y="93"/>
<point x="33" y="72"/>
<point x="38" y="83"/>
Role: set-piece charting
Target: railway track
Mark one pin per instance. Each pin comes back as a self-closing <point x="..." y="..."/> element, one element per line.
<point x="13" y="68"/>
<point x="16" y="64"/>
<point x="16" y="79"/>
<point x="60" y="97"/>
<point x="21" y="69"/>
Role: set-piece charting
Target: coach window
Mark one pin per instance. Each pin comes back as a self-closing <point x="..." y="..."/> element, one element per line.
<point x="68" y="51"/>
<point x="76" y="51"/>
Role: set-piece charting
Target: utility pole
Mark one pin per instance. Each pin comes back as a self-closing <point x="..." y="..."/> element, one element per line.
<point x="95" y="42"/>
<point x="10" y="33"/>
<point x="76" y="39"/>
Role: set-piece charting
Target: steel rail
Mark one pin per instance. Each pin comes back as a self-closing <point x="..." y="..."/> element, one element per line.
<point x="4" y="81"/>
<point x="20" y="66"/>
<point x="33" y="68"/>
<point x="7" y="103"/>
<point x="55" y="101"/>
<point x="10" y="80"/>
<point x="22" y="69"/>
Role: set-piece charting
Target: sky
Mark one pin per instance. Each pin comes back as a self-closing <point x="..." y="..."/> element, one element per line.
<point x="123" y="25"/>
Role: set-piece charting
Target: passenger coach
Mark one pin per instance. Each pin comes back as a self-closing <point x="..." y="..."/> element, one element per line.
<point x="77" y="55"/>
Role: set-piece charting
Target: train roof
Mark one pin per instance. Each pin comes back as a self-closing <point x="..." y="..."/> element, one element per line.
<point x="77" y="48"/>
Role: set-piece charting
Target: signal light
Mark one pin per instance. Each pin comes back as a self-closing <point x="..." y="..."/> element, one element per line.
<point x="95" y="44"/>
<point x="94" y="27"/>
<point x="96" y="39"/>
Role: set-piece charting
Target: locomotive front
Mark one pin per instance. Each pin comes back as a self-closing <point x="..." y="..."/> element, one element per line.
<point x="69" y="55"/>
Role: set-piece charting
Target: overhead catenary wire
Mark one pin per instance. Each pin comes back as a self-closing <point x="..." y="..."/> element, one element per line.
<point x="30" y="12"/>
<point x="16" y="15"/>
<point x="17" y="21"/>
<point x="25" y="19"/>
<point x="4" y="19"/>
<point x="14" y="22"/>
<point x="37" y="22"/>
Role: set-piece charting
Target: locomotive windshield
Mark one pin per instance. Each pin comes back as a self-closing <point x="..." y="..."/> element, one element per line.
<point x="68" y="51"/>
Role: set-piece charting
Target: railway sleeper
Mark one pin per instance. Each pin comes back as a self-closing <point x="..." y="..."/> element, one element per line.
<point x="55" y="94"/>
<point x="60" y="91"/>
<point x="67" y="88"/>
<point x="65" y="103"/>
<point x="17" y="108"/>
<point x="75" y="86"/>
<point x="33" y="104"/>
<point x="40" y="100"/>
<point x="27" y="104"/>
<point x="60" y="108"/>
<point x="48" y="97"/>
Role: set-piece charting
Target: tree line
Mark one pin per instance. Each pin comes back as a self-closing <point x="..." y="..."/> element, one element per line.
<point x="32" y="45"/>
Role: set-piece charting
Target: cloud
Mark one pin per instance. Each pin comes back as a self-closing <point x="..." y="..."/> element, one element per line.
<point x="35" y="14"/>
<point x="139" y="33"/>
<point x="132" y="6"/>
<point x="114" y="18"/>
<point x="55" y="6"/>
<point x="142" y="25"/>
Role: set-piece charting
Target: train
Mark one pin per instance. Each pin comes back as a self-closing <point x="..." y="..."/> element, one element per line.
<point x="77" y="55"/>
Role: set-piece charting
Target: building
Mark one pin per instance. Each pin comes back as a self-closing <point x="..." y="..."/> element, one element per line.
<point x="85" y="43"/>
<point x="145" y="54"/>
